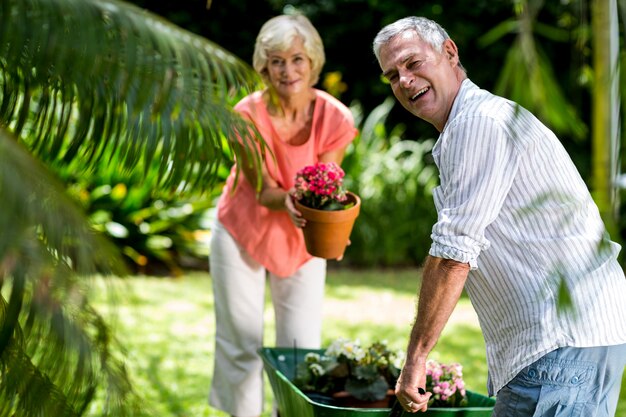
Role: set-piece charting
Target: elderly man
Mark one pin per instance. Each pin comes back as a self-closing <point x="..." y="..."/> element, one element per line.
<point x="516" y="224"/>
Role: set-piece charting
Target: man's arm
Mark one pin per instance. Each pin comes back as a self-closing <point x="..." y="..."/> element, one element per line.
<point x="442" y="285"/>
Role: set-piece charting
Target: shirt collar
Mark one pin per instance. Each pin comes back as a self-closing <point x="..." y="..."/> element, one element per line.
<point x="466" y="86"/>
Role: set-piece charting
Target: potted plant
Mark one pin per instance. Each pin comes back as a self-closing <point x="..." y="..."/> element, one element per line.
<point x="350" y="375"/>
<point x="446" y="383"/>
<point x="368" y="375"/>
<point x="329" y="209"/>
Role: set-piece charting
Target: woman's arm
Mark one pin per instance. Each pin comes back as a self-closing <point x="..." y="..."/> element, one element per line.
<point x="336" y="155"/>
<point x="271" y="195"/>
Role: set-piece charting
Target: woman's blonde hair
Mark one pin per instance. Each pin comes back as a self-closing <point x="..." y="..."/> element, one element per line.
<point x="278" y="33"/>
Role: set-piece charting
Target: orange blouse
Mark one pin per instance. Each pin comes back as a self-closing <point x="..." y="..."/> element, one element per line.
<point x="267" y="235"/>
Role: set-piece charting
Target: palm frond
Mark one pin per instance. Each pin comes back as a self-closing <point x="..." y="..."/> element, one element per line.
<point x="36" y="209"/>
<point x="513" y="82"/>
<point x="55" y="350"/>
<point x="527" y="76"/>
<point x="82" y="83"/>
<point x="85" y="79"/>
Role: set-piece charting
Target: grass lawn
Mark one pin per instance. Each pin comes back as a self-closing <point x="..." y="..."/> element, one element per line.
<point x="167" y="328"/>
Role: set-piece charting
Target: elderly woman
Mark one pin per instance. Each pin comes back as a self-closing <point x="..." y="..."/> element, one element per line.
<point x="256" y="235"/>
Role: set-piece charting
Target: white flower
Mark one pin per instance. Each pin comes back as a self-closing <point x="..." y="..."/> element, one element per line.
<point x="312" y="357"/>
<point x="316" y="369"/>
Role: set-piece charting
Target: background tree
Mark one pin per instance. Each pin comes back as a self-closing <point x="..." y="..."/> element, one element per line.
<point x="606" y="110"/>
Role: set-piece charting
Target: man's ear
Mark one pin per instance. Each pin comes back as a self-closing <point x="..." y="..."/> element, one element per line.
<point x="450" y="51"/>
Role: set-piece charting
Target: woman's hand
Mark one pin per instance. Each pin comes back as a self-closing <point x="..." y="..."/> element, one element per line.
<point x="294" y="214"/>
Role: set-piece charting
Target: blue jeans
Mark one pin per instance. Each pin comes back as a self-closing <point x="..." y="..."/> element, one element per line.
<point x="567" y="382"/>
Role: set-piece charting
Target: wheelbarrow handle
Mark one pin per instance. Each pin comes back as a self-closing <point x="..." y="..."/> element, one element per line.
<point x="396" y="410"/>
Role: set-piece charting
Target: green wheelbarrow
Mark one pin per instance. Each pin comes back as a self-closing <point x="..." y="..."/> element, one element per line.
<point x="280" y="365"/>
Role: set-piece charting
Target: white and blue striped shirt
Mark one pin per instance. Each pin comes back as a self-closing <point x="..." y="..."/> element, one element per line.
<point x="512" y="204"/>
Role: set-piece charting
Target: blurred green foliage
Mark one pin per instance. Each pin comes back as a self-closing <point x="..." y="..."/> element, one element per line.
<point x="158" y="231"/>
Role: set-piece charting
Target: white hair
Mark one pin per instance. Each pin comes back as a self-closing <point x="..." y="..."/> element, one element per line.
<point x="429" y="31"/>
<point x="278" y="33"/>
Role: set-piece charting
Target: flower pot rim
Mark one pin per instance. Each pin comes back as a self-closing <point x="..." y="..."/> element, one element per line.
<point x="332" y="216"/>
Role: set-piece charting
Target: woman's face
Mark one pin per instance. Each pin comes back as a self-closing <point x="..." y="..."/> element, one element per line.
<point x="289" y="72"/>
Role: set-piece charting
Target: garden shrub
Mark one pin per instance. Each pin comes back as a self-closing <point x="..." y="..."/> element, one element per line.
<point x="158" y="231"/>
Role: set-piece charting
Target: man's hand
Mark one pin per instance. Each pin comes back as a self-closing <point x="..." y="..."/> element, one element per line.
<point x="442" y="284"/>
<point x="410" y="388"/>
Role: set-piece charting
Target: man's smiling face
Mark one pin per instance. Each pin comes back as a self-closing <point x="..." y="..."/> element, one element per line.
<point x="423" y="80"/>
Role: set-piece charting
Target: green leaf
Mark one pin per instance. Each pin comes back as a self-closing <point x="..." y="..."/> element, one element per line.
<point x="89" y="79"/>
<point x="366" y="390"/>
<point x="333" y="206"/>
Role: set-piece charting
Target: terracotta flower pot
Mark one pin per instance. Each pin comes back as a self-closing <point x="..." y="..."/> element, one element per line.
<point x="326" y="233"/>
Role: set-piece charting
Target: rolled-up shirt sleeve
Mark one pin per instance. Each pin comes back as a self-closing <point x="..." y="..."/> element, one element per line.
<point x="477" y="161"/>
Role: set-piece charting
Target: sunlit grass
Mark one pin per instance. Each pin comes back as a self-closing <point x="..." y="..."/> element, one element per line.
<point x="167" y="326"/>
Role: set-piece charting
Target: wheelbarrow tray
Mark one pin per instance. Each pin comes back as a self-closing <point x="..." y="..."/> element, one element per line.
<point x="280" y="365"/>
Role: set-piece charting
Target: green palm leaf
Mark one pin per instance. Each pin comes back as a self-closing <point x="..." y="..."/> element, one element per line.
<point x="527" y="76"/>
<point x="85" y="79"/>
<point x="55" y="350"/>
<point x="83" y="83"/>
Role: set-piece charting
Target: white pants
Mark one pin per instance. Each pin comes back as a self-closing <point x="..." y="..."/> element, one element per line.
<point x="239" y="294"/>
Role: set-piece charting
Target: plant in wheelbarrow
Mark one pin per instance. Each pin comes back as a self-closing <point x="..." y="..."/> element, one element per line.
<point x="347" y="374"/>
<point x="446" y="383"/>
<point x="329" y="209"/>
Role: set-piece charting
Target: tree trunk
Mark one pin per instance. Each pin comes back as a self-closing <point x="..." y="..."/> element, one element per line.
<point x="605" y="110"/>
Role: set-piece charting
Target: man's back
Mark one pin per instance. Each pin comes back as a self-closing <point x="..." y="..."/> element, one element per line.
<point x="511" y="196"/>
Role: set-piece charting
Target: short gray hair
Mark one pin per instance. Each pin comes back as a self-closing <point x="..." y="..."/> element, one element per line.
<point x="278" y="33"/>
<point x="429" y="31"/>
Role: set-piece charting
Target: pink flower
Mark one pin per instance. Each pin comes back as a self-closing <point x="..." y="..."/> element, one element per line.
<point x="320" y="186"/>
<point x="445" y="381"/>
